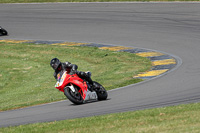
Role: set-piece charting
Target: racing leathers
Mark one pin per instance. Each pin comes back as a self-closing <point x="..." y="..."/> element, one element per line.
<point x="72" y="69"/>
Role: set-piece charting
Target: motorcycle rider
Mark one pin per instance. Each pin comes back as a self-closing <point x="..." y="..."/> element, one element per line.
<point x="71" y="69"/>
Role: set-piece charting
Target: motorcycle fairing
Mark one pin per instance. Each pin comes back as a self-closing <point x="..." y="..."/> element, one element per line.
<point x="65" y="79"/>
<point x="60" y="80"/>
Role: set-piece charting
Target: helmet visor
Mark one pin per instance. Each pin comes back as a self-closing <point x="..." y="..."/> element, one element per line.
<point x="55" y="63"/>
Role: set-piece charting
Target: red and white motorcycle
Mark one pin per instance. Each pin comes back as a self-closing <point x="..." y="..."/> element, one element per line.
<point x="77" y="90"/>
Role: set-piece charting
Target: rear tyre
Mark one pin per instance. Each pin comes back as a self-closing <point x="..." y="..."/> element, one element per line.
<point x="101" y="92"/>
<point x="3" y="32"/>
<point x="74" y="97"/>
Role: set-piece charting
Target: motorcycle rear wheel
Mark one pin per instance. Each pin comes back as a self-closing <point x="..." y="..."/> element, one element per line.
<point x="101" y="93"/>
<point x="74" y="97"/>
<point x="3" y="32"/>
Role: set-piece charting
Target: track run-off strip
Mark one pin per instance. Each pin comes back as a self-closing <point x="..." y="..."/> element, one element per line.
<point x="161" y="62"/>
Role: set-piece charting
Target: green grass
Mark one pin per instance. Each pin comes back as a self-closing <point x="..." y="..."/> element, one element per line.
<point x="42" y="1"/>
<point x="175" y="119"/>
<point x="27" y="78"/>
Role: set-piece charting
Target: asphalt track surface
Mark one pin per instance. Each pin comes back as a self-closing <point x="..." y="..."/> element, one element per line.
<point x="170" y="27"/>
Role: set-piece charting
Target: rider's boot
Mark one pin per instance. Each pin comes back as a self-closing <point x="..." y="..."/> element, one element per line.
<point x="93" y="85"/>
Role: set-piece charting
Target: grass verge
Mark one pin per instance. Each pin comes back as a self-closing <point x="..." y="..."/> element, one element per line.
<point x="175" y="119"/>
<point x="27" y="78"/>
<point x="43" y="1"/>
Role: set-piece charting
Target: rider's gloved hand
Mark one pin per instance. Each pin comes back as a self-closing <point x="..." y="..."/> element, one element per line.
<point x="73" y="71"/>
<point x="88" y="74"/>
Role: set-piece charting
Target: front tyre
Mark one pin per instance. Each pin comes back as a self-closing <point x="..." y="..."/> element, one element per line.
<point x="101" y="92"/>
<point x="74" y="97"/>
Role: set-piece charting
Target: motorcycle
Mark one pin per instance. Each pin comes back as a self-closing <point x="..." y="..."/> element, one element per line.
<point x="3" y="32"/>
<point x="77" y="90"/>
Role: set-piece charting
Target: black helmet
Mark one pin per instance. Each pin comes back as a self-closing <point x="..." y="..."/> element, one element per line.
<point x="55" y="63"/>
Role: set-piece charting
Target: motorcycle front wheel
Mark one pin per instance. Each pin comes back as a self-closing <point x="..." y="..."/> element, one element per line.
<point x="74" y="97"/>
